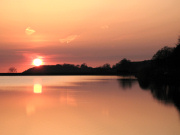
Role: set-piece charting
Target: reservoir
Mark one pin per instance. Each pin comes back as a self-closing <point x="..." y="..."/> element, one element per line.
<point x="86" y="105"/>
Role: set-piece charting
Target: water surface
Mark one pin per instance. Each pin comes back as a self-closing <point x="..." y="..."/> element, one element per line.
<point x="83" y="105"/>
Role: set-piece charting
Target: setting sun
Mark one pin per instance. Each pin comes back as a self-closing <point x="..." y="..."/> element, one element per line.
<point x="37" y="62"/>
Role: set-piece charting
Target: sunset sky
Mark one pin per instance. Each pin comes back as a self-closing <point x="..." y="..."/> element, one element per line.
<point x="84" y="31"/>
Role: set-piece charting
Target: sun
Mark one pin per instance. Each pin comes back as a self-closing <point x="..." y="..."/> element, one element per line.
<point x="37" y="62"/>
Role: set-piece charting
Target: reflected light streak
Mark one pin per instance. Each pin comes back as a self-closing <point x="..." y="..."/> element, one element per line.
<point x="67" y="99"/>
<point x="30" y="109"/>
<point x="37" y="88"/>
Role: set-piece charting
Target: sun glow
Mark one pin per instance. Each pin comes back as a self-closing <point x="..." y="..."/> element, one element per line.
<point x="37" y="62"/>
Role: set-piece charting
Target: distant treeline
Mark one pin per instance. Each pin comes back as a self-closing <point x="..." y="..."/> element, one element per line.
<point x="68" y="69"/>
<point x="164" y="64"/>
<point x="124" y="67"/>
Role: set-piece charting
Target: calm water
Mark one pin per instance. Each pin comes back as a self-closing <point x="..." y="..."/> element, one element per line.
<point x="85" y="105"/>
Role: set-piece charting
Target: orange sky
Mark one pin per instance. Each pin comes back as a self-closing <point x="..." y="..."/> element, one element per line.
<point x="90" y="31"/>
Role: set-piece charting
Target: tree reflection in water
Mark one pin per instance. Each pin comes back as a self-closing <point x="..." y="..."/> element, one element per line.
<point x="127" y="83"/>
<point x="167" y="93"/>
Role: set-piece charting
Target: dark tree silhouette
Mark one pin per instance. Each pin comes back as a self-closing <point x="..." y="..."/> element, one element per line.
<point x="106" y="66"/>
<point x="163" y="53"/>
<point x="124" y="61"/>
<point x="84" y="65"/>
<point x="176" y="52"/>
<point x="12" y="70"/>
<point x="121" y="63"/>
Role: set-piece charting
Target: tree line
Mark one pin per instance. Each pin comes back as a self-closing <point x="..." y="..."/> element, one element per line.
<point x="164" y="63"/>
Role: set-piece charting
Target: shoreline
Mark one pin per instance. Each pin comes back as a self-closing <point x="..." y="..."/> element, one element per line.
<point x="68" y="74"/>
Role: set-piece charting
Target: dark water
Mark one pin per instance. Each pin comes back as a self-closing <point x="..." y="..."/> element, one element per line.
<point x="87" y="105"/>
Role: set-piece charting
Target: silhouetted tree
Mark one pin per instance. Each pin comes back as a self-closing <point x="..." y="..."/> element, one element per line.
<point x="178" y="44"/>
<point x="176" y="52"/>
<point x="84" y="65"/>
<point x="106" y="66"/>
<point x="78" y="66"/>
<point x="124" y="61"/>
<point x="12" y="70"/>
<point x="123" y="67"/>
<point x="163" y="53"/>
<point x="68" y="65"/>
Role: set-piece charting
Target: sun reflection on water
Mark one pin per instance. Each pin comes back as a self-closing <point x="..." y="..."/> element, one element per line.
<point x="37" y="88"/>
<point x="37" y="85"/>
<point x="30" y="109"/>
